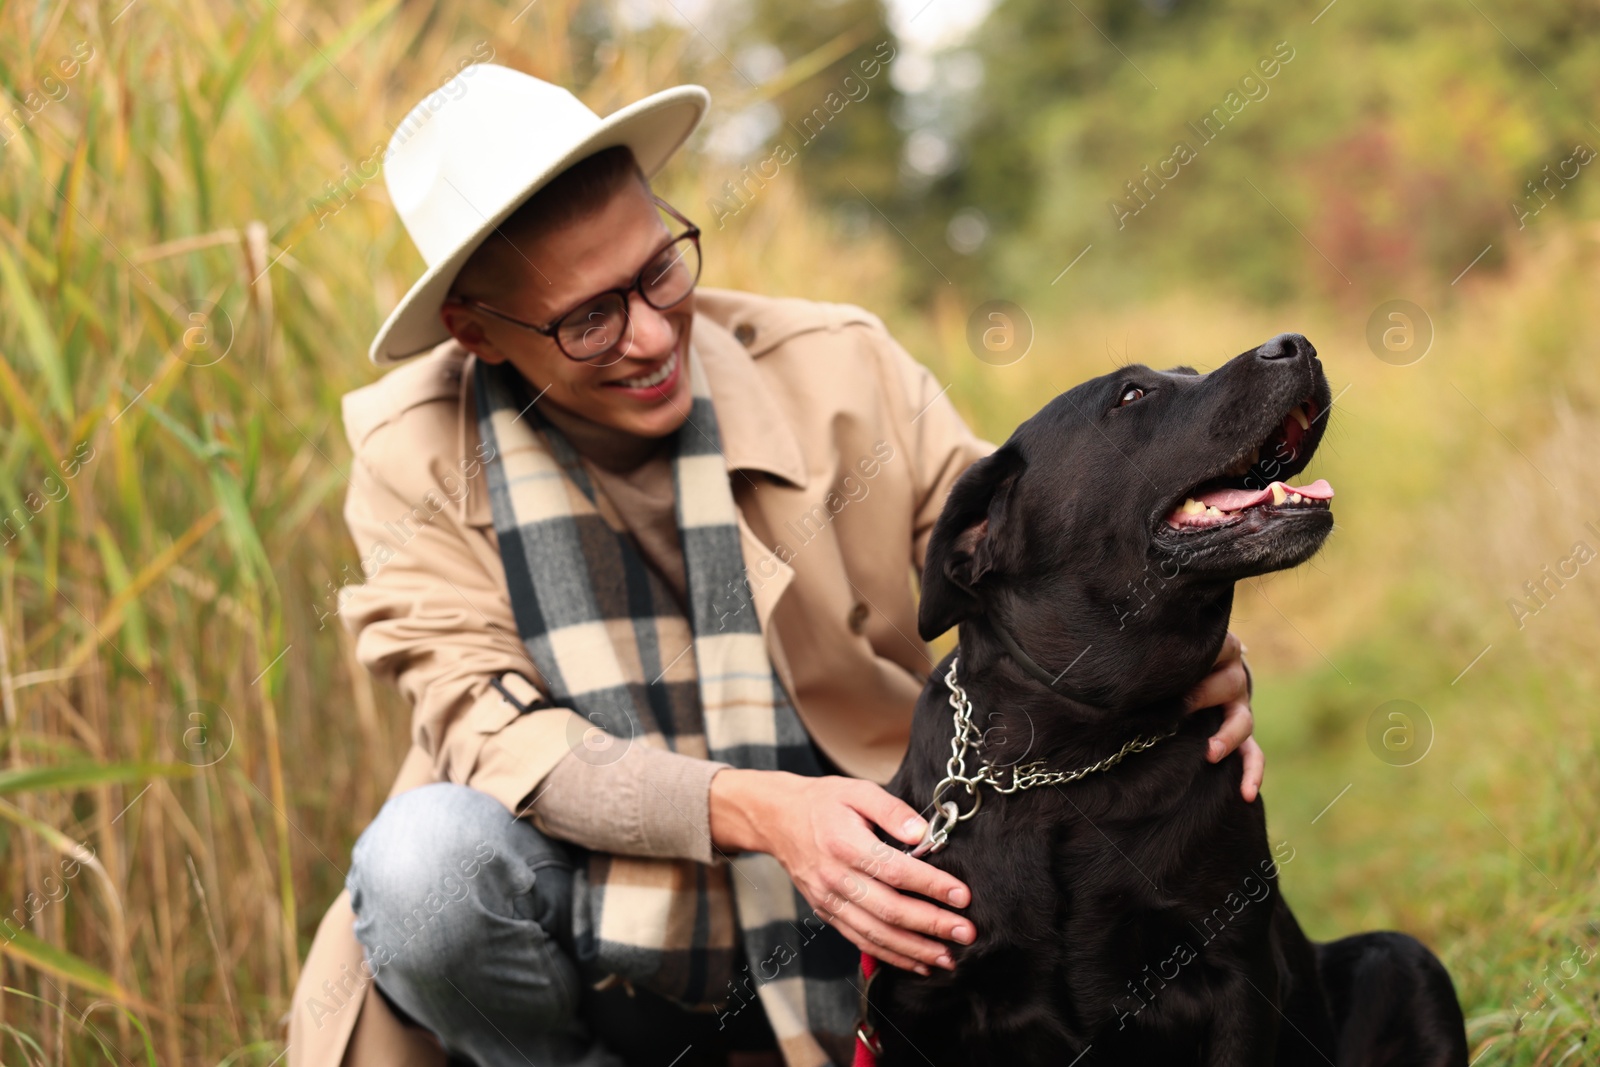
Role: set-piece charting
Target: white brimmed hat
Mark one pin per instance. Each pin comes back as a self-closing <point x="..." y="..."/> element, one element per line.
<point x="457" y="168"/>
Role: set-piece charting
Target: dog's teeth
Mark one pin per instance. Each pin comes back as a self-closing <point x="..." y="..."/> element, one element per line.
<point x="1278" y="494"/>
<point x="1299" y="414"/>
<point x="1193" y="507"/>
<point x="1214" y="513"/>
<point x="1294" y="498"/>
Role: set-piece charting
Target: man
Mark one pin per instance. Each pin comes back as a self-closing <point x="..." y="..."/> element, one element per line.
<point x="641" y="557"/>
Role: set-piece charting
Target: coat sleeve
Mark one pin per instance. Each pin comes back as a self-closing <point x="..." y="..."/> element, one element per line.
<point x="432" y="621"/>
<point x="649" y="802"/>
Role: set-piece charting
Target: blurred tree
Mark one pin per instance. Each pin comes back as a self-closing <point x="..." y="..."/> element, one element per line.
<point x="820" y="100"/>
<point x="1241" y="145"/>
<point x="1040" y="62"/>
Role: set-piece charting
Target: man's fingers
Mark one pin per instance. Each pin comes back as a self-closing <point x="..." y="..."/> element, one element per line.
<point x="903" y="871"/>
<point x="1237" y="726"/>
<point x="879" y="896"/>
<point x="903" y="821"/>
<point x="1255" y="767"/>
<point x="888" y="937"/>
<point x="866" y="944"/>
<point x="1223" y="684"/>
<point x="1228" y="684"/>
<point x="1232" y="649"/>
<point x="888" y="811"/>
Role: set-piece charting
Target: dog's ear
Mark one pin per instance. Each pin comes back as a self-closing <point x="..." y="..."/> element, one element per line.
<point x="967" y="540"/>
<point x="1184" y="369"/>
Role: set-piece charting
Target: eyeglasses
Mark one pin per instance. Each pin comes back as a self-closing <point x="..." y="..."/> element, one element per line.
<point x="595" y="327"/>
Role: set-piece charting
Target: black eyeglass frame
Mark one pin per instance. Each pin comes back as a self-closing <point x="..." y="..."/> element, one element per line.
<point x="552" y="330"/>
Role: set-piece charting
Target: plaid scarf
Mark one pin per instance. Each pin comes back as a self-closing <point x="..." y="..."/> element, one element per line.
<point x="608" y="638"/>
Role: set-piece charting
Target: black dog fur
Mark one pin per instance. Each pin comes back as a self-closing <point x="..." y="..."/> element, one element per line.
<point x="1132" y="917"/>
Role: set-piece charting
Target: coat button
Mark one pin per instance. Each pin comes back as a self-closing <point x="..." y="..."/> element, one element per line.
<point x="745" y="334"/>
<point x="857" y="618"/>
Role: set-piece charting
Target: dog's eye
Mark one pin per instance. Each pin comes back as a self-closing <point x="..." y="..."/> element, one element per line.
<point x="1133" y="393"/>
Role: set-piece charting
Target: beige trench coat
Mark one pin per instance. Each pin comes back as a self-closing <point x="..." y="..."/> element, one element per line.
<point x="840" y="448"/>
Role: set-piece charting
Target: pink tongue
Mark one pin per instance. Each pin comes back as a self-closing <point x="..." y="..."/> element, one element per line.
<point x="1239" y="499"/>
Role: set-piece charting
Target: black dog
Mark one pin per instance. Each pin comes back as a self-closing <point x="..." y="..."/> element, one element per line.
<point x="1132" y="916"/>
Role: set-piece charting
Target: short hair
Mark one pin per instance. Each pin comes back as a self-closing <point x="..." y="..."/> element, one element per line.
<point x="577" y="192"/>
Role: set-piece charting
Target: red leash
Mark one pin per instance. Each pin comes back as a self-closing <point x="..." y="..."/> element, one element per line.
<point x="867" y="1045"/>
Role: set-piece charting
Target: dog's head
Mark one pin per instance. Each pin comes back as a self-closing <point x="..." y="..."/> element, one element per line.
<point x="1123" y="512"/>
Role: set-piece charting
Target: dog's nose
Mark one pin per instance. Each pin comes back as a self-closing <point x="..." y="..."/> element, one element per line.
<point x="1287" y="346"/>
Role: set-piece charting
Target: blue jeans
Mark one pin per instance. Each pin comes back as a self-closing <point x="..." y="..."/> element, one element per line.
<point x="465" y="914"/>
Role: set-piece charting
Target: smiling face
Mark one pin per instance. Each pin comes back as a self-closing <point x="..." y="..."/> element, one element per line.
<point x="536" y="277"/>
<point x="1119" y="517"/>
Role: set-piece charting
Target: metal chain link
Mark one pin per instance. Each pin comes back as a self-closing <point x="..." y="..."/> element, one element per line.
<point x="947" y="812"/>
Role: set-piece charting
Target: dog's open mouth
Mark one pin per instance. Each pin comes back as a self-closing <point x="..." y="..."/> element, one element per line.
<point x="1257" y="478"/>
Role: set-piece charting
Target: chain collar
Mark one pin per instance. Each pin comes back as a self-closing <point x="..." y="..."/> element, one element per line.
<point x="1025" y="776"/>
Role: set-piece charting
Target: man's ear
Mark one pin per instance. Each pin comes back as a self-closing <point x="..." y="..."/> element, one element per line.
<point x="466" y="329"/>
<point x="968" y="541"/>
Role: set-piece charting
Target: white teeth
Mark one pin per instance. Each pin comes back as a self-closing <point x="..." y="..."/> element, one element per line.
<point x="1214" y="512"/>
<point x="659" y="375"/>
<point x="1294" y="498"/>
<point x="1278" y="493"/>
<point x="1299" y="414"/>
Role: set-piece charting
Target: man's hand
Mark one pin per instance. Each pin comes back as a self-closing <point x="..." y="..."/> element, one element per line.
<point x="819" y="829"/>
<point x="1229" y="685"/>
